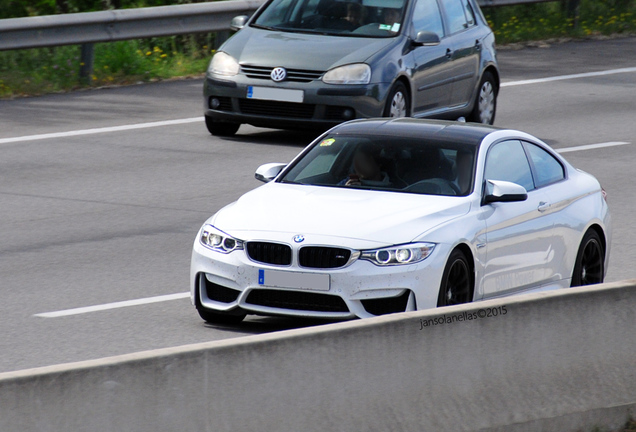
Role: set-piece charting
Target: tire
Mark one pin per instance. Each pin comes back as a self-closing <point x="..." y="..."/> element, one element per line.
<point x="457" y="281"/>
<point x="398" y="103"/>
<point x="589" y="267"/>
<point x="220" y="317"/>
<point x="218" y="128"/>
<point x="486" y="101"/>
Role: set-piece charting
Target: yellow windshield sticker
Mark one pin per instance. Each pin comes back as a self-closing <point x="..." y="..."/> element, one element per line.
<point x="327" y="142"/>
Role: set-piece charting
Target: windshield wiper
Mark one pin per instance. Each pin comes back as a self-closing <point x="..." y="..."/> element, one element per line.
<point x="263" y="27"/>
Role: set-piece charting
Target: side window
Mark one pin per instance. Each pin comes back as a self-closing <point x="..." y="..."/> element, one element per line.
<point x="470" y="14"/>
<point x="456" y="16"/>
<point x="507" y="161"/>
<point x="427" y="17"/>
<point x="547" y="169"/>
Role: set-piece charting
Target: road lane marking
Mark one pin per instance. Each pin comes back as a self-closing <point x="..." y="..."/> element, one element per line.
<point x="591" y="146"/>
<point x="115" y="305"/>
<point x="568" y="77"/>
<point x="100" y="130"/>
<point x="199" y="119"/>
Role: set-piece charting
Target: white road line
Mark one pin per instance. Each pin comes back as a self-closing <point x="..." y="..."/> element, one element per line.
<point x="100" y="130"/>
<point x="115" y="305"/>
<point x="591" y="146"/>
<point x="569" y="77"/>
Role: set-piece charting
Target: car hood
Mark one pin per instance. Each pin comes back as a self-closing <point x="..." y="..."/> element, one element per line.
<point x="366" y="218"/>
<point x="257" y="47"/>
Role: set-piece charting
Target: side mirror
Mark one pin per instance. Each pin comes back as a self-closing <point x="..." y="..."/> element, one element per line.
<point x="426" y="38"/>
<point x="503" y="191"/>
<point x="268" y="172"/>
<point x="238" y="22"/>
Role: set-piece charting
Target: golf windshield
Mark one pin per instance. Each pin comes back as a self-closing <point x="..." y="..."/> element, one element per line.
<point x="370" y="18"/>
<point x="387" y="164"/>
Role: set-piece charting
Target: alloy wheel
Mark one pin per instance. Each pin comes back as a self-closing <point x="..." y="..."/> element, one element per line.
<point x="486" y="102"/>
<point x="458" y="284"/>
<point x="398" y="105"/>
<point x="592" y="263"/>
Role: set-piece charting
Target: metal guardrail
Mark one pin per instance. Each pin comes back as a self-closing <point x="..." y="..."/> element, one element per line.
<point x="122" y="24"/>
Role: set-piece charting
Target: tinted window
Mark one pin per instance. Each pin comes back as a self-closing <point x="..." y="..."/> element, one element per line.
<point x="426" y="17"/>
<point x="455" y="14"/>
<point x="507" y="161"/>
<point x="470" y="14"/>
<point x="388" y="164"/>
<point x="547" y="169"/>
<point x="366" y="18"/>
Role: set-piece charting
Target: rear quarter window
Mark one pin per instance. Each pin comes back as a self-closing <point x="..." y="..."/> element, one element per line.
<point x="547" y="169"/>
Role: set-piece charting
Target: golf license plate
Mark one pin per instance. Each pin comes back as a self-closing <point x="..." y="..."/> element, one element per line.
<point x="294" y="280"/>
<point x="275" y="94"/>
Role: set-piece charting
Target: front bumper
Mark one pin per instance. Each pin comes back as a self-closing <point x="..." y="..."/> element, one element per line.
<point x="229" y="282"/>
<point x="323" y="105"/>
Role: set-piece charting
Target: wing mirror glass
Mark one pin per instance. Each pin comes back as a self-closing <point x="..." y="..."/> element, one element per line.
<point x="426" y="38"/>
<point x="503" y="191"/>
<point x="238" y="22"/>
<point x="268" y="172"/>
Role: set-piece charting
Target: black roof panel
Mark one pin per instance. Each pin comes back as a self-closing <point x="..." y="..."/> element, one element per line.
<point x="437" y="130"/>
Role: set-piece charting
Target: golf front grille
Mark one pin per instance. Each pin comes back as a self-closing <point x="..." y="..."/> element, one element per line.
<point x="276" y="109"/>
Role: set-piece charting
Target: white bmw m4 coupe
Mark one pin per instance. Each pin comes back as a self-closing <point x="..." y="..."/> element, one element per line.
<point x="390" y="215"/>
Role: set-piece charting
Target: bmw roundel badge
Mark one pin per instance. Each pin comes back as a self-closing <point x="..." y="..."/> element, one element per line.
<point x="299" y="238"/>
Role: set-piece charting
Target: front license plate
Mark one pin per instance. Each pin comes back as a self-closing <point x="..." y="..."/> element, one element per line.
<point x="275" y="94"/>
<point x="284" y="279"/>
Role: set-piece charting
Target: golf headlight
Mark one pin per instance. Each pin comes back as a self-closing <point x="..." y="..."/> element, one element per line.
<point x="223" y="64"/>
<point x="358" y="73"/>
<point x="219" y="241"/>
<point x="398" y="255"/>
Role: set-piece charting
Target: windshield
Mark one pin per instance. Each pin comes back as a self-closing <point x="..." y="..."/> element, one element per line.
<point x="388" y="164"/>
<point x="369" y="18"/>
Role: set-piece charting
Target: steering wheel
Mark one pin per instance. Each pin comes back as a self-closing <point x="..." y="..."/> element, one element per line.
<point x="434" y="186"/>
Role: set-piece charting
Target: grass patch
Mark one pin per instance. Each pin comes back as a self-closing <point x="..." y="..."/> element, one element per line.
<point x="50" y="70"/>
<point x="542" y="21"/>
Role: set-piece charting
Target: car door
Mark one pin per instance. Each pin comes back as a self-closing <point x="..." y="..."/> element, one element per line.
<point x="432" y="82"/>
<point x="549" y="176"/>
<point x="517" y="252"/>
<point x="465" y="38"/>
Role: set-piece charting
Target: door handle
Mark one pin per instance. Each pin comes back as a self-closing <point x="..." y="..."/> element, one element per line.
<point x="543" y="206"/>
<point x="449" y="53"/>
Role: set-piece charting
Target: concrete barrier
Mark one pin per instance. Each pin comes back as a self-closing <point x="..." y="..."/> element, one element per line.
<point x="556" y="361"/>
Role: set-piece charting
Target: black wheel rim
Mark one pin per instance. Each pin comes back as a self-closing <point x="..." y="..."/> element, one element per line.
<point x="592" y="263"/>
<point x="457" y="284"/>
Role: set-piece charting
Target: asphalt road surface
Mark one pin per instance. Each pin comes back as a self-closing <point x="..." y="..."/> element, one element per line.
<point x="102" y="216"/>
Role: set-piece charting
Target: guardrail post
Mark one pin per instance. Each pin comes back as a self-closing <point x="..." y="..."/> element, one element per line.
<point x="220" y="37"/>
<point x="86" y="65"/>
<point x="571" y="9"/>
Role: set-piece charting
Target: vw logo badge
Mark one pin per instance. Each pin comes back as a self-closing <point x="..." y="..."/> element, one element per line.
<point x="299" y="238"/>
<point x="278" y="74"/>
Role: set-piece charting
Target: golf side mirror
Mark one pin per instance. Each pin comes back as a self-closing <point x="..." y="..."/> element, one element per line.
<point x="426" y="38"/>
<point x="238" y="22"/>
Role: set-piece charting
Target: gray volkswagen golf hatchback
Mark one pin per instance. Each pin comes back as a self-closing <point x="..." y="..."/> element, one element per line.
<point x="317" y="63"/>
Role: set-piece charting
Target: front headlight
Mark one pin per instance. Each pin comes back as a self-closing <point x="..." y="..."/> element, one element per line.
<point x="218" y="241"/>
<point x="358" y="73"/>
<point x="223" y="64"/>
<point x="398" y="255"/>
